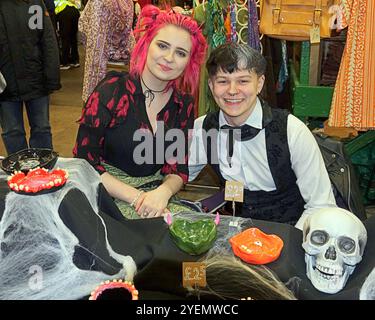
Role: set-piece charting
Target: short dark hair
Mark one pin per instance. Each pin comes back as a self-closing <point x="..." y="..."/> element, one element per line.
<point x="232" y="57"/>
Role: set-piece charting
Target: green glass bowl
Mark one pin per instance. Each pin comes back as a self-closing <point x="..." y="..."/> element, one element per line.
<point x="193" y="237"/>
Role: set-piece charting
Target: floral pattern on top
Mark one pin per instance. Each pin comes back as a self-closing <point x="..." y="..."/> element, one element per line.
<point x="115" y="129"/>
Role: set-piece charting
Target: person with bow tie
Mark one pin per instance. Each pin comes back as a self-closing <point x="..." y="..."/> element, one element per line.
<point x="270" y="151"/>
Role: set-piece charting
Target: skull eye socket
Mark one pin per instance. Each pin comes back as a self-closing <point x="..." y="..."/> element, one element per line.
<point x="346" y="244"/>
<point x="319" y="237"/>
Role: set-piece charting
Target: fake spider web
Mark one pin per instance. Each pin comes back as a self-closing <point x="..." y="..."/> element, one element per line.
<point x="37" y="248"/>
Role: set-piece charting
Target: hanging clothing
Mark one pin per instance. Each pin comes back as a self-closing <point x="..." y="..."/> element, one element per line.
<point x="353" y="103"/>
<point x="68" y="30"/>
<point x="60" y="5"/>
<point x="108" y="36"/>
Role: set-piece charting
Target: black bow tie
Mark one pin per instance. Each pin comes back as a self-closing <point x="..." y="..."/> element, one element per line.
<point x="247" y="133"/>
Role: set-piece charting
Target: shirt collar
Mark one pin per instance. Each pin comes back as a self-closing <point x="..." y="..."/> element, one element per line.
<point x="255" y="119"/>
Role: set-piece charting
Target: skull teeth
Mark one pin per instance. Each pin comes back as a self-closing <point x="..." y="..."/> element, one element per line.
<point x="328" y="271"/>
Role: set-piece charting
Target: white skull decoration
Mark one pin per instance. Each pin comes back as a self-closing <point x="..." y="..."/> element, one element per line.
<point x="334" y="240"/>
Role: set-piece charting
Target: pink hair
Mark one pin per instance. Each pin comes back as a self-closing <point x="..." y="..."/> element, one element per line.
<point x="150" y="21"/>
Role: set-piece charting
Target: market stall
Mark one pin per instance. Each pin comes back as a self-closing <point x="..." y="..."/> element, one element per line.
<point x="102" y="238"/>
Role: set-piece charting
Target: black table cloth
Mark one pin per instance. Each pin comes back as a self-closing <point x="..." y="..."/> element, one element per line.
<point x="159" y="261"/>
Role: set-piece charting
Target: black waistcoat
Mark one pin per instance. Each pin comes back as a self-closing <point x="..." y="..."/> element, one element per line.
<point x="285" y="204"/>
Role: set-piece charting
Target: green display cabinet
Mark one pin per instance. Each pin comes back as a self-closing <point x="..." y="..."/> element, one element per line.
<point x="362" y="153"/>
<point x="309" y="99"/>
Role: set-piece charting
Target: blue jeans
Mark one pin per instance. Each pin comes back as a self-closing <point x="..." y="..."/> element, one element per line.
<point x="11" y="120"/>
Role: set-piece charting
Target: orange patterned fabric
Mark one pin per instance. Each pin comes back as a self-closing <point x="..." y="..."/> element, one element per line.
<point x="353" y="103"/>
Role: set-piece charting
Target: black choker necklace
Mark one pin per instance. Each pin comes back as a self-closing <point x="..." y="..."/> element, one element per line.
<point x="149" y="93"/>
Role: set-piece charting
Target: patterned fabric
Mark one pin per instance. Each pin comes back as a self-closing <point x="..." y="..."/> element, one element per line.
<point x="214" y="26"/>
<point x="353" y="103"/>
<point x="107" y="30"/>
<point x="252" y="26"/>
<point x="233" y="31"/>
<point x="115" y="111"/>
<point x="147" y="183"/>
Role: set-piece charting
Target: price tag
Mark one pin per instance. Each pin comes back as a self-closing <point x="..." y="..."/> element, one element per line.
<point x="234" y="191"/>
<point x="233" y="223"/>
<point x="315" y="34"/>
<point x="193" y="274"/>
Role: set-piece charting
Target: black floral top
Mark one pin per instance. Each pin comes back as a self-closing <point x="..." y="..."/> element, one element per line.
<point x="115" y="129"/>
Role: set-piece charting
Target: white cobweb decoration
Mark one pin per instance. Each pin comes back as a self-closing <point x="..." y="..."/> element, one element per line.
<point x="37" y="248"/>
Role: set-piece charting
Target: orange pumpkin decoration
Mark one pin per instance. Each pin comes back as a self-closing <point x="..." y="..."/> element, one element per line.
<point x="256" y="247"/>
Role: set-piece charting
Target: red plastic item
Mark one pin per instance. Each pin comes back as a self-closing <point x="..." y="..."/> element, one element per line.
<point x="256" y="247"/>
<point x="37" y="180"/>
<point x="114" y="284"/>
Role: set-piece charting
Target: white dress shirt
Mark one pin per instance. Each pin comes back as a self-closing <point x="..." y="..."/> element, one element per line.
<point x="250" y="163"/>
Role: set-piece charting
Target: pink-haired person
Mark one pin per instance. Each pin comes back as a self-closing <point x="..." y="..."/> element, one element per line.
<point x="134" y="126"/>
